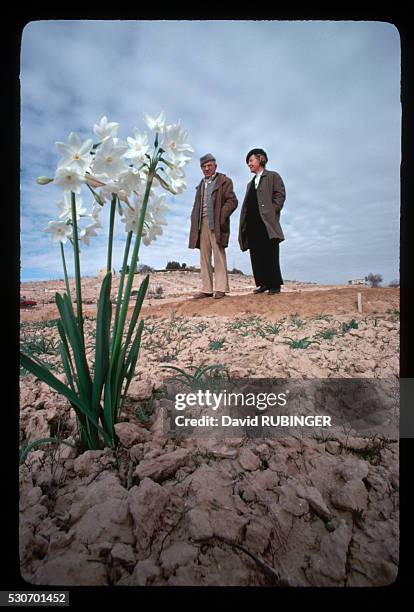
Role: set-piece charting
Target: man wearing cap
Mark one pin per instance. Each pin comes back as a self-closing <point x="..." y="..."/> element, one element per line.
<point x="260" y="229"/>
<point x="214" y="202"/>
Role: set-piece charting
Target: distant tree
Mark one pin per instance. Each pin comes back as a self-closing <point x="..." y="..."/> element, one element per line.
<point x="236" y="271"/>
<point x="394" y="283"/>
<point x="173" y="265"/>
<point x="183" y="266"/>
<point x="374" y="279"/>
<point x="144" y="269"/>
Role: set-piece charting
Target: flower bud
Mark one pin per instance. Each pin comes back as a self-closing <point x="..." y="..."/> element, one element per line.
<point x="44" y="180"/>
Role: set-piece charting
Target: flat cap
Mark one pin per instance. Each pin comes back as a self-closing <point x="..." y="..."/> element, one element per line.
<point x="256" y="152"/>
<point x="206" y="158"/>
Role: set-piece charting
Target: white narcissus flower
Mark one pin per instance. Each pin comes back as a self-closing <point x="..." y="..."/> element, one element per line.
<point x="105" y="129"/>
<point x="68" y="179"/>
<point x="157" y="124"/>
<point x="76" y="155"/>
<point x="138" y="147"/>
<point x="96" y="211"/>
<point x="131" y="218"/>
<point x="108" y="160"/>
<point x="174" y="140"/>
<point x="65" y="207"/>
<point x="175" y="177"/>
<point x="60" y="231"/>
<point x="87" y="232"/>
<point x="130" y="180"/>
<point x="179" y="160"/>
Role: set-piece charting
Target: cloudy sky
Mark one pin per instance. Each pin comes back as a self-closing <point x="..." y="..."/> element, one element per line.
<point x="321" y="97"/>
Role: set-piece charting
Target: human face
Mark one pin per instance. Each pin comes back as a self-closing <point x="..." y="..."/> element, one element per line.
<point x="209" y="168"/>
<point x="254" y="164"/>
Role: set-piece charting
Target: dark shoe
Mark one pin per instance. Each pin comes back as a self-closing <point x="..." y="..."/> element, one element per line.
<point x="273" y="291"/>
<point x="260" y="290"/>
<point x="201" y="294"/>
<point x="219" y="294"/>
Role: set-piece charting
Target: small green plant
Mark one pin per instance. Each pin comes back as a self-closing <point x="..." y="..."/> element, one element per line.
<point x="322" y="317"/>
<point x="273" y="328"/>
<point x="40" y="345"/>
<point x="394" y="314"/>
<point x="302" y="343"/>
<point x="327" y="334"/>
<point x="200" y="327"/>
<point x="202" y="376"/>
<point x="296" y="320"/>
<point x="145" y="410"/>
<point x="28" y="446"/>
<point x="216" y="345"/>
<point x="329" y="526"/>
<point x="346" y="326"/>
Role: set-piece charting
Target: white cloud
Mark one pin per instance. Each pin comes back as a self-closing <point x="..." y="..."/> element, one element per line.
<point x="322" y="98"/>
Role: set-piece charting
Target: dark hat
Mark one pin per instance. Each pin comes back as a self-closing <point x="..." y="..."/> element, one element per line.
<point x="256" y="152"/>
<point x="206" y="158"/>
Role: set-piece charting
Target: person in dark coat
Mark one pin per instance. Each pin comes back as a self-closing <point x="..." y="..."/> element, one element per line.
<point x="260" y="229"/>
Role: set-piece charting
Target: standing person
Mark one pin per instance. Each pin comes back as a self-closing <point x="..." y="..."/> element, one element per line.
<point x="260" y="229"/>
<point x="214" y="202"/>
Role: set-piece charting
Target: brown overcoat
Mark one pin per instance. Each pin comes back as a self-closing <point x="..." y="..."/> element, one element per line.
<point x="224" y="203"/>
<point x="271" y="195"/>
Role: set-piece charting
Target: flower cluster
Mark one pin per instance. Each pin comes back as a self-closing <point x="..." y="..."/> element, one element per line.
<point x="112" y="168"/>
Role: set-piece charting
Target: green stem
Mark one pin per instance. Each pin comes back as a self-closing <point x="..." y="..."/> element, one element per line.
<point x="133" y="264"/>
<point x="121" y="285"/>
<point x="62" y="252"/>
<point x="111" y="232"/>
<point x="77" y="267"/>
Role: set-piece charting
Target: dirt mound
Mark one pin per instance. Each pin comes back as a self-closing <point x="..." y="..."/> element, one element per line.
<point x="272" y="307"/>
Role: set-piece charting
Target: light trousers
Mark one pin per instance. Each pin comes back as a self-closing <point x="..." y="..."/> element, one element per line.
<point x="209" y="246"/>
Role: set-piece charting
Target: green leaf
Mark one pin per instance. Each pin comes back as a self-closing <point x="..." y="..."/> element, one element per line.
<point x="137" y="309"/>
<point x="43" y="374"/>
<point x="65" y="355"/>
<point x="131" y="361"/>
<point x="165" y="185"/>
<point x="29" y="446"/>
<point x="72" y="331"/>
<point x="103" y="324"/>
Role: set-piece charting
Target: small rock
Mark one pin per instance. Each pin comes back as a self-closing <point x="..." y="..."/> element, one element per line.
<point x="123" y="553"/>
<point x="332" y="447"/>
<point x="140" y="390"/>
<point x="352" y="468"/>
<point x="248" y="460"/>
<point x="314" y="498"/>
<point x="352" y="496"/>
<point x="146" y="503"/>
<point x="87" y="463"/>
<point x="162" y="467"/>
<point x="178" y="555"/>
<point x="144" y="574"/>
<point x="130" y="434"/>
<point x="199" y="527"/>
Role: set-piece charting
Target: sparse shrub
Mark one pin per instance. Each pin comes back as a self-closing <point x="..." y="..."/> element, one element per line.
<point x="216" y="345"/>
<point x="394" y="283"/>
<point x="236" y="271"/>
<point x="347" y="326"/>
<point x="173" y="265"/>
<point x="144" y="269"/>
<point x="374" y="279"/>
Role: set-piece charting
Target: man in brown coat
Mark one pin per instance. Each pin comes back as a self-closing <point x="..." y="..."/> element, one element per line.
<point x="260" y="229"/>
<point x="214" y="202"/>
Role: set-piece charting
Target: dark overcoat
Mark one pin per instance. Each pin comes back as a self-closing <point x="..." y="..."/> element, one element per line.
<point x="271" y="196"/>
<point x="224" y="203"/>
